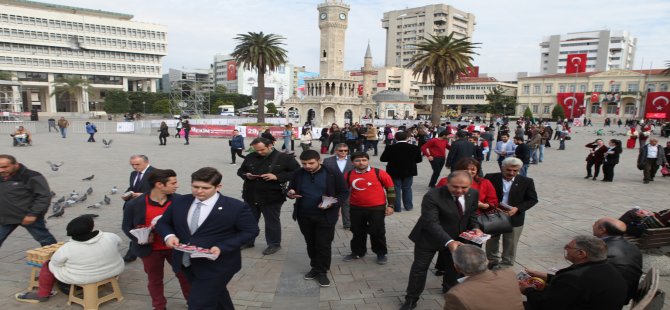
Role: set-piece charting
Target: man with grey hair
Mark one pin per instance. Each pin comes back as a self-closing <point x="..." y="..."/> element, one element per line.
<point x="446" y="212"/>
<point x="651" y="157"/>
<point x="139" y="184"/>
<point x="482" y="288"/>
<point x="518" y="194"/>
<point x="589" y="283"/>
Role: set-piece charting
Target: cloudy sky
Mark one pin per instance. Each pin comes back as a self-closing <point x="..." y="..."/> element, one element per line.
<point x="509" y="31"/>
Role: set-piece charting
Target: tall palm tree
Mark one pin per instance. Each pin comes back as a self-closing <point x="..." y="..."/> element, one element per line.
<point x="263" y="53"/>
<point x="440" y="60"/>
<point x="69" y="86"/>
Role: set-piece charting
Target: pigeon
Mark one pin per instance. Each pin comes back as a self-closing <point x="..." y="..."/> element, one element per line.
<point x="89" y="190"/>
<point x="54" y="167"/>
<point x="56" y="206"/>
<point x="107" y="143"/>
<point x="114" y="190"/>
<point x="82" y="198"/>
<point x="74" y="195"/>
<point x="57" y="213"/>
<point x="53" y="194"/>
<point x="96" y="205"/>
<point x="89" y="178"/>
<point x="61" y="200"/>
<point x="69" y="203"/>
<point x="107" y="200"/>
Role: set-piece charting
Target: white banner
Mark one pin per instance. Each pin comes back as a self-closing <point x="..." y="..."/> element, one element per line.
<point x="125" y="127"/>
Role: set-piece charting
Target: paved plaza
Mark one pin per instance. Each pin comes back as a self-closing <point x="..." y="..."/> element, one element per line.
<point x="568" y="206"/>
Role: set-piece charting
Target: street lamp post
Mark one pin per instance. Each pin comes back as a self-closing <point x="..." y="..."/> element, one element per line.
<point x="144" y="107"/>
<point x="504" y="110"/>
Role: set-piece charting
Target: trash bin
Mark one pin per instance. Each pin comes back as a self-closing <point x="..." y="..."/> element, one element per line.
<point x="33" y="115"/>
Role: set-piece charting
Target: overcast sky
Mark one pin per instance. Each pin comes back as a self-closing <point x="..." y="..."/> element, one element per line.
<point x="509" y="31"/>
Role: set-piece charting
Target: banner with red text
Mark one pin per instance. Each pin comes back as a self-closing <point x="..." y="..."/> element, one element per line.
<point x="576" y="63"/>
<point x="570" y="100"/>
<point x="276" y="131"/>
<point x="218" y="131"/>
<point x="657" y="105"/>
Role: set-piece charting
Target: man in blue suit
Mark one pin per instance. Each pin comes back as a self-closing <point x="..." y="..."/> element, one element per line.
<point x="212" y="221"/>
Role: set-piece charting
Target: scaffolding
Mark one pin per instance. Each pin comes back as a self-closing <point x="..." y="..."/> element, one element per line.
<point x="189" y="97"/>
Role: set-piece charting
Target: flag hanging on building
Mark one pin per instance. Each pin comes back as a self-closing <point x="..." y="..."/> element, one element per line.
<point x="595" y="97"/>
<point x="576" y="63"/>
<point x="570" y="101"/>
<point x="657" y="105"/>
<point x="231" y="67"/>
<point x="472" y="72"/>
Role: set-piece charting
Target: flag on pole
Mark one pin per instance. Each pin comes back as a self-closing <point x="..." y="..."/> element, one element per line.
<point x="658" y="105"/>
<point x="570" y="100"/>
<point x="576" y="63"/>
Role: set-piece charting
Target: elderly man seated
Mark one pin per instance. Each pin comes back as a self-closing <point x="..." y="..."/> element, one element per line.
<point x="21" y="135"/>
<point x="589" y="283"/>
<point x="483" y="288"/>
<point x="89" y="257"/>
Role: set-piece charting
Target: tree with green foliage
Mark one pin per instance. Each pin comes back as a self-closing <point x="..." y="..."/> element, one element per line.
<point x="527" y="114"/>
<point x="271" y="108"/>
<point x="160" y="106"/>
<point x="440" y="59"/>
<point x="5" y="76"/>
<point x="116" y="102"/>
<point x="499" y="102"/>
<point x="220" y="89"/>
<point x="67" y="88"/>
<point x="558" y="113"/>
<point x="263" y="53"/>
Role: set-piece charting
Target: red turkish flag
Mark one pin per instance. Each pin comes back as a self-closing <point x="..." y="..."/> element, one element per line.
<point x="360" y="89"/>
<point x="658" y="105"/>
<point x="576" y="63"/>
<point x="232" y="70"/>
<point x="470" y="72"/>
<point x="570" y="100"/>
<point x="595" y="97"/>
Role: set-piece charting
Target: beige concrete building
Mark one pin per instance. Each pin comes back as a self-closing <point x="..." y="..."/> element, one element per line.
<point x="463" y="96"/>
<point x="389" y="78"/>
<point x="405" y="28"/>
<point x="333" y="97"/>
<point x="41" y="43"/>
<point x="626" y="90"/>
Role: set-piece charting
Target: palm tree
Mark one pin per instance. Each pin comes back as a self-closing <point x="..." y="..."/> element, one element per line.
<point x="440" y="60"/>
<point x="69" y="86"/>
<point x="263" y="53"/>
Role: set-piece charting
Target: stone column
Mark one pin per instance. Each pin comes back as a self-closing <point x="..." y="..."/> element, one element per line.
<point x="152" y="85"/>
<point x="125" y="84"/>
<point x="51" y="98"/>
<point x="84" y="100"/>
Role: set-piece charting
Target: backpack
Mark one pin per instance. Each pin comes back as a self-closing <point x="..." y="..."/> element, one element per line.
<point x="376" y="173"/>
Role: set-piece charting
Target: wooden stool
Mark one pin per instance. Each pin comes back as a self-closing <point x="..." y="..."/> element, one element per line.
<point x="34" y="281"/>
<point x="90" y="299"/>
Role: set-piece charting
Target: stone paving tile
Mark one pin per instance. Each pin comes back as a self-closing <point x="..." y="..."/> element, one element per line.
<point x="568" y="206"/>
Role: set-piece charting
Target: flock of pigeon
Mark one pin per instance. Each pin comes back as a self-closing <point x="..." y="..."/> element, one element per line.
<point x="74" y="198"/>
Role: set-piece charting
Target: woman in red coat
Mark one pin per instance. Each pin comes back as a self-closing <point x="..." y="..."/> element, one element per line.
<point x="488" y="200"/>
<point x="632" y="137"/>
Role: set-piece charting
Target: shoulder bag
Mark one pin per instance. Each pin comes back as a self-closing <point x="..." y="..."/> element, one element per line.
<point x="495" y="222"/>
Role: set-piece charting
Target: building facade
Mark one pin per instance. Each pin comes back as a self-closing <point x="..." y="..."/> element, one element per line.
<point x="389" y="78"/>
<point x="204" y="78"/>
<point x="334" y="96"/>
<point x="42" y="45"/>
<point x="408" y="27"/>
<point x="463" y="96"/>
<point x="598" y="95"/>
<point x="605" y="49"/>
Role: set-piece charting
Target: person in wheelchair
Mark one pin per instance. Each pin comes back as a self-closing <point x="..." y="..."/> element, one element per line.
<point x="21" y="136"/>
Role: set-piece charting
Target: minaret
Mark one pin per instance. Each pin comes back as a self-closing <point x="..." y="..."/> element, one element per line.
<point x="333" y="22"/>
<point x="367" y="71"/>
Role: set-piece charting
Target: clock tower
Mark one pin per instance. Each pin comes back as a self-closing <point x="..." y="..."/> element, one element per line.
<point x="333" y="21"/>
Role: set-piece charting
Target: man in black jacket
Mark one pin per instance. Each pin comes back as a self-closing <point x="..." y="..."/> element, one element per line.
<point x="589" y="283"/>
<point x="138" y="185"/>
<point x="402" y="158"/>
<point x="446" y="212"/>
<point x="518" y="192"/>
<point x="317" y="221"/>
<point x="522" y="152"/>
<point x="621" y="254"/>
<point x="29" y="201"/>
<point x="264" y="172"/>
<point x="461" y="148"/>
<point x="651" y="157"/>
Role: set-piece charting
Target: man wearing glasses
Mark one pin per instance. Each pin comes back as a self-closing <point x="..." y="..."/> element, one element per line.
<point x="340" y="161"/>
<point x="590" y="283"/>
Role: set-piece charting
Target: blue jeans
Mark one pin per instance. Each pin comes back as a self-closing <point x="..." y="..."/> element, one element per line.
<point x="436" y="164"/>
<point x="541" y="149"/>
<point x="63" y="131"/>
<point x="562" y="145"/>
<point x="524" y="170"/>
<point x="38" y="230"/>
<point x="533" y="155"/>
<point x="403" y="192"/>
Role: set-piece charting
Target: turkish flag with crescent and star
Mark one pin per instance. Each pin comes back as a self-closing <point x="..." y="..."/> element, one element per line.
<point x="231" y="67"/>
<point x="595" y="97"/>
<point x="570" y="100"/>
<point x="658" y="105"/>
<point x="576" y="63"/>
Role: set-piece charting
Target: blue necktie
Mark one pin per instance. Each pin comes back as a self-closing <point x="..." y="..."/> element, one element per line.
<point x="193" y="226"/>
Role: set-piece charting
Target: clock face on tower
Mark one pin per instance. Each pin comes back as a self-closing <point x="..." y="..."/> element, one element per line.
<point x="343" y="16"/>
<point x="323" y="16"/>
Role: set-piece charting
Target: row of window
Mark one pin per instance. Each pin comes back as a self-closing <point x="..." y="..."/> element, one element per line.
<point x="88" y="54"/>
<point x="597" y="87"/>
<point x="595" y="108"/>
<point x="458" y="97"/>
<point x="85" y="40"/>
<point x="78" y="65"/>
<point x="61" y="24"/>
<point x="587" y="66"/>
<point x="460" y="87"/>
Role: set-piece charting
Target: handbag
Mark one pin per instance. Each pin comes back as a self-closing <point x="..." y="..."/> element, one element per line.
<point x="665" y="171"/>
<point x="495" y="222"/>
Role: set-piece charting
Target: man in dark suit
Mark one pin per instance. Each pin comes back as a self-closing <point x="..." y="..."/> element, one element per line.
<point x="211" y="221"/>
<point x="621" y="254"/>
<point x="143" y="212"/>
<point x="340" y="161"/>
<point x="461" y="148"/>
<point x="446" y="212"/>
<point x="651" y="157"/>
<point x="517" y="192"/>
<point x="402" y="158"/>
<point x="522" y="152"/>
<point x="138" y="184"/>
<point x="589" y="283"/>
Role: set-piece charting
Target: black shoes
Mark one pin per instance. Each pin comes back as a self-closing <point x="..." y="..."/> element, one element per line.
<point x="409" y="304"/>
<point x="382" y="259"/>
<point x="588" y="176"/>
<point x="311" y="275"/>
<point x="272" y="249"/>
<point x="351" y="257"/>
<point x="439" y="273"/>
<point x="323" y="280"/>
<point x="129" y="257"/>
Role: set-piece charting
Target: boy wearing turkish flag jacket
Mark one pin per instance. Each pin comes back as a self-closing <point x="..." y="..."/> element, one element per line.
<point x="372" y="199"/>
<point x="144" y="212"/>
